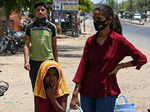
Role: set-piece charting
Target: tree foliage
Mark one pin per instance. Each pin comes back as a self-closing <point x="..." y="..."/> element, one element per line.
<point x="111" y="3"/>
<point x="137" y="5"/>
<point x="85" y="5"/>
<point x="19" y="5"/>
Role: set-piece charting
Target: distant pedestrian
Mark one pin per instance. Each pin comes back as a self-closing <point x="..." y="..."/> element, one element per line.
<point x="95" y="78"/>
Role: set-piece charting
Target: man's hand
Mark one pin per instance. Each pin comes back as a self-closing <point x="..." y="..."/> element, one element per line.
<point x="27" y="66"/>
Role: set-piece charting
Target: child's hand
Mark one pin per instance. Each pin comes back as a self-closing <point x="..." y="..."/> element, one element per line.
<point x="51" y="93"/>
<point x="53" y="81"/>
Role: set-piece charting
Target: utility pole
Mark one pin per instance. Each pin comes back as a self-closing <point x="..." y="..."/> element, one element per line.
<point x="108" y="2"/>
<point x="145" y="5"/>
<point x="131" y="5"/>
<point x="122" y="4"/>
<point x="113" y="6"/>
<point x="111" y="3"/>
<point x="145" y="10"/>
<point x="117" y="4"/>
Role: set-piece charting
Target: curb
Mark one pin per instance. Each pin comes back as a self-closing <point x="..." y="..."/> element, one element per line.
<point x="137" y="22"/>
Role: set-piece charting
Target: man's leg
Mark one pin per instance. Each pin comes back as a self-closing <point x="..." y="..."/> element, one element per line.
<point x="34" y="67"/>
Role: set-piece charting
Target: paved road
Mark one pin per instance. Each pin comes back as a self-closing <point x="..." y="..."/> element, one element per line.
<point x="138" y="34"/>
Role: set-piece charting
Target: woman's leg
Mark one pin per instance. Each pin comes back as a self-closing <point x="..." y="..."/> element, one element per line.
<point x="87" y="104"/>
<point x="105" y="104"/>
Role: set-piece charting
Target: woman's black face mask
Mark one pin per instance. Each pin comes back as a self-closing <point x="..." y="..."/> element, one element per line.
<point x="99" y="25"/>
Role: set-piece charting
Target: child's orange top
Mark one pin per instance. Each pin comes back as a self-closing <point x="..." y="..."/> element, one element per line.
<point x="61" y="88"/>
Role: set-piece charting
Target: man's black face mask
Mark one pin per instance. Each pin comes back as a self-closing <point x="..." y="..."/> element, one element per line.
<point x="99" y="25"/>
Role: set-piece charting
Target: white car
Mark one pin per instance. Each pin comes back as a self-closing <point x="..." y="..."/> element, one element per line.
<point x="137" y="16"/>
<point x="138" y="19"/>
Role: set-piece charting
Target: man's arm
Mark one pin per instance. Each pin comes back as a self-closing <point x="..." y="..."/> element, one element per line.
<point x="54" y="47"/>
<point x="26" y="53"/>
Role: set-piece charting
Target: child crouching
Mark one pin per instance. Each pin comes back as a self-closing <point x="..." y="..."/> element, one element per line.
<point x="50" y="88"/>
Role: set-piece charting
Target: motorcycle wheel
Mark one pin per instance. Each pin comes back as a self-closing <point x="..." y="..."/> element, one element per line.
<point x="12" y="48"/>
<point x="2" y="47"/>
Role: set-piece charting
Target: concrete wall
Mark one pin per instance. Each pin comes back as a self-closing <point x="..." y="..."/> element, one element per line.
<point x="3" y="19"/>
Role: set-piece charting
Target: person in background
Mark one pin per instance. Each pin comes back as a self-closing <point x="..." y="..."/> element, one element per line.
<point x="104" y="51"/>
<point x="40" y="42"/>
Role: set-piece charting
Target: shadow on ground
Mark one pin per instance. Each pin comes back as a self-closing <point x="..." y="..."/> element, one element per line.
<point x="63" y="51"/>
<point x="8" y="53"/>
<point x="66" y="51"/>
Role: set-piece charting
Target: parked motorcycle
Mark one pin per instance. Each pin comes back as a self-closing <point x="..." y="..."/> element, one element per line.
<point x="7" y="43"/>
<point x="19" y="38"/>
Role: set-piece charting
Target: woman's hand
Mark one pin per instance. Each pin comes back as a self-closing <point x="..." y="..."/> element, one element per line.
<point x="115" y="71"/>
<point x="121" y="66"/>
<point x="74" y="102"/>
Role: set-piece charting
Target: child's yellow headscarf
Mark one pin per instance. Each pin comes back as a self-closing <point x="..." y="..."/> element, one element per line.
<point x="61" y="88"/>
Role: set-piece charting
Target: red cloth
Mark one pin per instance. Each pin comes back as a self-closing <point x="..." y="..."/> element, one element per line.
<point x="97" y="61"/>
<point x="44" y="105"/>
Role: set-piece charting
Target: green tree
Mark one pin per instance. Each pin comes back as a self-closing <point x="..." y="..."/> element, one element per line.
<point x="85" y="5"/>
<point x="6" y="6"/>
<point x="142" y="5"/>
<point x="137" y="5"/>
<point x="111" y="3"/>
<point x="19" y="5"/>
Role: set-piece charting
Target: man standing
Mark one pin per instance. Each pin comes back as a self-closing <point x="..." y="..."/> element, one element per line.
<point x="40" y="42"/>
